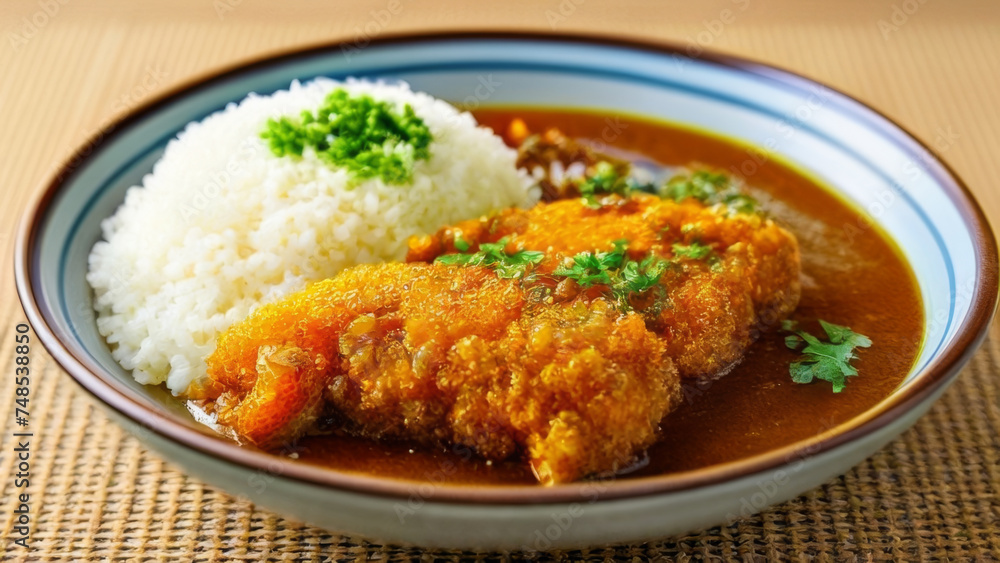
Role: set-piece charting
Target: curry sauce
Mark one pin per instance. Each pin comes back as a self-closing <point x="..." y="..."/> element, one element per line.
<point x="850" y="276"/>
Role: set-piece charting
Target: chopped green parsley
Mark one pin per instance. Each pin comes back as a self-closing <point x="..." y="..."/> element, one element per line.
<point x="592" y="268"/>
<point x="493" y="255"/>
<point x="369" y="138"/>
<point x="829" y="361"/>
<point x="604" y="179"/>
<point x="710" y="188"/>
<point x="693" y="251"/>
<point x="638" y="277"/>
<point x="616" y="270"/>
<point x="707" y="187"/>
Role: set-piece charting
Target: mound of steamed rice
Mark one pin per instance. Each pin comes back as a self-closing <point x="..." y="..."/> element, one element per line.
<point x="222" y="225"/>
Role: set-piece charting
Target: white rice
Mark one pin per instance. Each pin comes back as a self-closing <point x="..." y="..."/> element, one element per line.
<point x="222" y="225"/>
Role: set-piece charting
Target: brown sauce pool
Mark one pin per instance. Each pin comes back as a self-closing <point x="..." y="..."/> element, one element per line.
<point x="851" y="276"/>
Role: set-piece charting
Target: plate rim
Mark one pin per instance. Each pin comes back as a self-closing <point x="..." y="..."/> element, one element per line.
<point x="937" y="374"/>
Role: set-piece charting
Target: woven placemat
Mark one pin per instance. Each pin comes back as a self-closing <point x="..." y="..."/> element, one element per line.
<point x="97" y="494"/>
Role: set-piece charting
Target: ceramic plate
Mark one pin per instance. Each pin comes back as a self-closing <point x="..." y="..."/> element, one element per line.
<point x="863" y="155"/>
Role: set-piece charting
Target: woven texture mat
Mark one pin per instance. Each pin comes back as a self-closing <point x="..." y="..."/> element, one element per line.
<point x="68" y="66"/>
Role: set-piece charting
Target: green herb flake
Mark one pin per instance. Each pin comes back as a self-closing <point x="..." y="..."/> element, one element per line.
<point x="603" y="179"/>
<point x="693" y="251"/>
<point x="494" y="255"/>
<point x="593" y="268"/>
<point x="369" y="138"/>
<point x="613" y="268"/>
<point x="710" y="188"/>
<point x="830" y="360"/>
<point x="637" y="277"/>
<point x="700" y="184"/>
<point x="740" y="203"/>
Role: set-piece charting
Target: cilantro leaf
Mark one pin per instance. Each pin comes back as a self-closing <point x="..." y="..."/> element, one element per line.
<point x="494" y="255"/>
<point x="603" y="179"/>
<point x="830" y="360"/>
<point x="614" y="269"/>
<point x="740" y="203"/>
<point x="710" y="188"/>
<point x="700" y="184"/>
<point x="693" y="251"/>
<point x="637" y="277"/>
<point x="593" y="268"/>
<point x="841" y="334"/>
<point x="793" y="341"/>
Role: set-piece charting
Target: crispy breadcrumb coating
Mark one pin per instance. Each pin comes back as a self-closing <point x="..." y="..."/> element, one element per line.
<point x="443" y="354"/>
<point x="710" y="309"/>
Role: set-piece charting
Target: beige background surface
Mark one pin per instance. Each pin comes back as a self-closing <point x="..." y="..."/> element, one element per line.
<point x="97" y="494"/>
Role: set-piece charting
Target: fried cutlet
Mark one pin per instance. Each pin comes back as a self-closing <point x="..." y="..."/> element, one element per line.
<point x="731" y="274"/>
<point x="443" y="354"/>
<point x="571" y="373"/>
